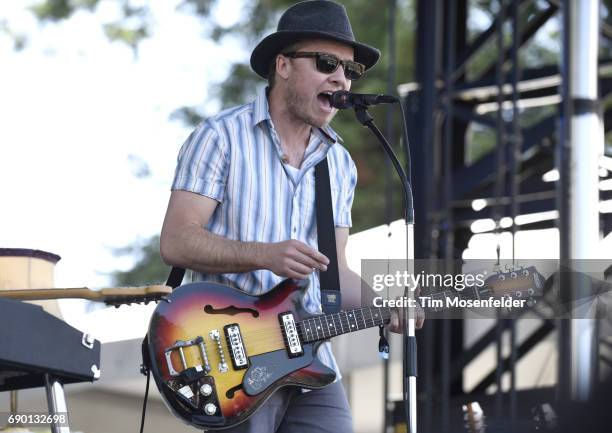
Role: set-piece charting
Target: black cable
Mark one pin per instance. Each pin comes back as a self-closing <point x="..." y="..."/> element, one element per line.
<point x="144" y="403"/>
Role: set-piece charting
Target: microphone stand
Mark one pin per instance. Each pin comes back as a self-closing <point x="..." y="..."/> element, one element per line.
<point x="409" y="338"/>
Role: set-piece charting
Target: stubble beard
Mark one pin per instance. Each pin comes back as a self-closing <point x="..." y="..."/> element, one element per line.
<point x="296" y="105"/>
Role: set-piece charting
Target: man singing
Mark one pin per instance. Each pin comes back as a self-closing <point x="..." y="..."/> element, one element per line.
<point x="242" y="209"/>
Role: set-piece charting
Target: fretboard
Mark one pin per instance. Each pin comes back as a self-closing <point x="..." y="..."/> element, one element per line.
<point x="330" y="325"/>
<point x="327" y="326"/>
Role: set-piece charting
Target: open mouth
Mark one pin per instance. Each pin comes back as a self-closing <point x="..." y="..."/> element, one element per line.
<point x="325" y="100"/>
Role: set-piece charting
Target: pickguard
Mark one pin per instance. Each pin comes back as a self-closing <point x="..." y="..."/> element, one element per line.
<point x="267" y="368"/>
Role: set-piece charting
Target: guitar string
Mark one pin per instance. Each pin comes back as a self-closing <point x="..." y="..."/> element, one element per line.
<point x="264" y="335"/>
<point x="327" y="318"/>
<point x="320" y="335"/>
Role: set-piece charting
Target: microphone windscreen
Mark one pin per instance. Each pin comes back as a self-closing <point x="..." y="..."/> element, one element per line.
<point x="340" y="99"/>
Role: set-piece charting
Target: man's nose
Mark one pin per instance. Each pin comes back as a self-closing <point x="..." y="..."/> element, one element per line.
<point x="338" y="78"/>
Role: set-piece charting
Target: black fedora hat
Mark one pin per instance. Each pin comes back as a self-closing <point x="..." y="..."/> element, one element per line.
<point x="315" y="19"/>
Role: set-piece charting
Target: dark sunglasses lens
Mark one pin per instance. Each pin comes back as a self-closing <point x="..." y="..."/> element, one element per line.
<point x="326" y="64"/>
<point x="353" y="70"/>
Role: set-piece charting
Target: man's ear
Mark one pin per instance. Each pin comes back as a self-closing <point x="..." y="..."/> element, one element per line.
<point x="283" y="66"/>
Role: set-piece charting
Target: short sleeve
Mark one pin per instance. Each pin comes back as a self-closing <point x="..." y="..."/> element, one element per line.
<point x="202" y="165"/>
<point x="346" y="196"/>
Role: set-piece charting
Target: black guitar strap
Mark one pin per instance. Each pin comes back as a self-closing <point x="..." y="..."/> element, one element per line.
<point x="176" y="277"/>
<point x="326" y="235"/>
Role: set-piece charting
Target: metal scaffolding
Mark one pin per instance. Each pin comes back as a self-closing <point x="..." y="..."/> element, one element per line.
<point x="448" y="98"/>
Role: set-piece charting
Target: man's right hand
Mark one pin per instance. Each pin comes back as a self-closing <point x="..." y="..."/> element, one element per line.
<point x="292" y="259"/>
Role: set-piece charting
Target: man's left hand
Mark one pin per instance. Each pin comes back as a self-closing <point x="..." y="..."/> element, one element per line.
<point x="397" y="317"/>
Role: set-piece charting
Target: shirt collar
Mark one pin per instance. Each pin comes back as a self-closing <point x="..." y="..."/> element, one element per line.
<point x="261" y="112"/>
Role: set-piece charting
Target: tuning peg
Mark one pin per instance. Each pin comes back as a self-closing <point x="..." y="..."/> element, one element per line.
<point x="531" y="302"/>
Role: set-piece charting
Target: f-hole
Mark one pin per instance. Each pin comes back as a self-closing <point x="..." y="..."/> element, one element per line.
<point x="230" y="392"/>
<point x="231" y="310"/>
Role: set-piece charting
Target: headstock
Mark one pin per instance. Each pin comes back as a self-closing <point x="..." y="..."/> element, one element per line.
<point x="134" y="295"/>
<point x="515" y="282"/>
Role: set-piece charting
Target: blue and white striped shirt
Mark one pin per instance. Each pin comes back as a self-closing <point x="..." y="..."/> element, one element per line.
<point x="236" y="159"/>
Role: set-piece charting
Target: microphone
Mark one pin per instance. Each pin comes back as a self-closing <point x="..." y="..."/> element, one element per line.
<point x="343" y="99"/>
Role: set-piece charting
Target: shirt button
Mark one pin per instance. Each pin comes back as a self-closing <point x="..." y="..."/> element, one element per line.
<point x="294" y="229"/>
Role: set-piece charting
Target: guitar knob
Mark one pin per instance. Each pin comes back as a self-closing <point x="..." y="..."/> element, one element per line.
<point x="206" y="390"/>
<point x="210" y="409"/>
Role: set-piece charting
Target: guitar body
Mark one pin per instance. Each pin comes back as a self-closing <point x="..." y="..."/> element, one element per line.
<point x="217" y="354"/>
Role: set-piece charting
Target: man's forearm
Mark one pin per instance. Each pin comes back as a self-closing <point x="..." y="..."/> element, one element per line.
<point x="196" y="248"/>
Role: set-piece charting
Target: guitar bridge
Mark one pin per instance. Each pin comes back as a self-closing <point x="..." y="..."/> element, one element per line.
<point x="181" y="346"/>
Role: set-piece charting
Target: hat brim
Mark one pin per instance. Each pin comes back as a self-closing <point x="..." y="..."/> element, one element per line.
<point x="273" y="44"/>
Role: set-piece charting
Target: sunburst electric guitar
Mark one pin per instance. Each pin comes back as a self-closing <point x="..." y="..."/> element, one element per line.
<point x="217" y="353"/>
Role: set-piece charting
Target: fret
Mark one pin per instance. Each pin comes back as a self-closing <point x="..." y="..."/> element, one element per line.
<point x="365" y="325"/>
<point x="325" y="325"/>
<point x="371" y="316"/>
<point x="313" y="329"/>
<point x="321" y="326"/>
<point x="355" y="326"/>
<point x="317" y="326"/>
<point x="341" y="325"/>
<point x="348" y="316"/>
<point x="308" y="329"/>
<point x="336" y="327"/>
<point x="331" y="327"/>
<point x="300" y="330"/>
<point x="348" y="322"/>
<point x="378" y="315"/>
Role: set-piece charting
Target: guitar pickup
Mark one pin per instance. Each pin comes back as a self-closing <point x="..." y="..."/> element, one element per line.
<point x="290" y="335"/>
<point x="237" y="351"/>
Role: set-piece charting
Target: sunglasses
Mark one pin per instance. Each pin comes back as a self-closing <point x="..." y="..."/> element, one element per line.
<point x="328" y="63"/>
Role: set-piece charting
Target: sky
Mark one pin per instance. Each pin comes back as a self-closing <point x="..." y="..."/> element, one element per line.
<point x="78" y="117"/>
<point x="80" y="114"/>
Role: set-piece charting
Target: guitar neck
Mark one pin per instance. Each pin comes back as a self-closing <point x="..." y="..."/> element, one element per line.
<point x="46" y="294"/>
<point x="112" y="294"/>
<point x="327" y="326"/>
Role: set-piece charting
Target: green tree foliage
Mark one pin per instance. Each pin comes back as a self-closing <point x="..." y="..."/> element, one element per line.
<point x="148" y="268"/>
